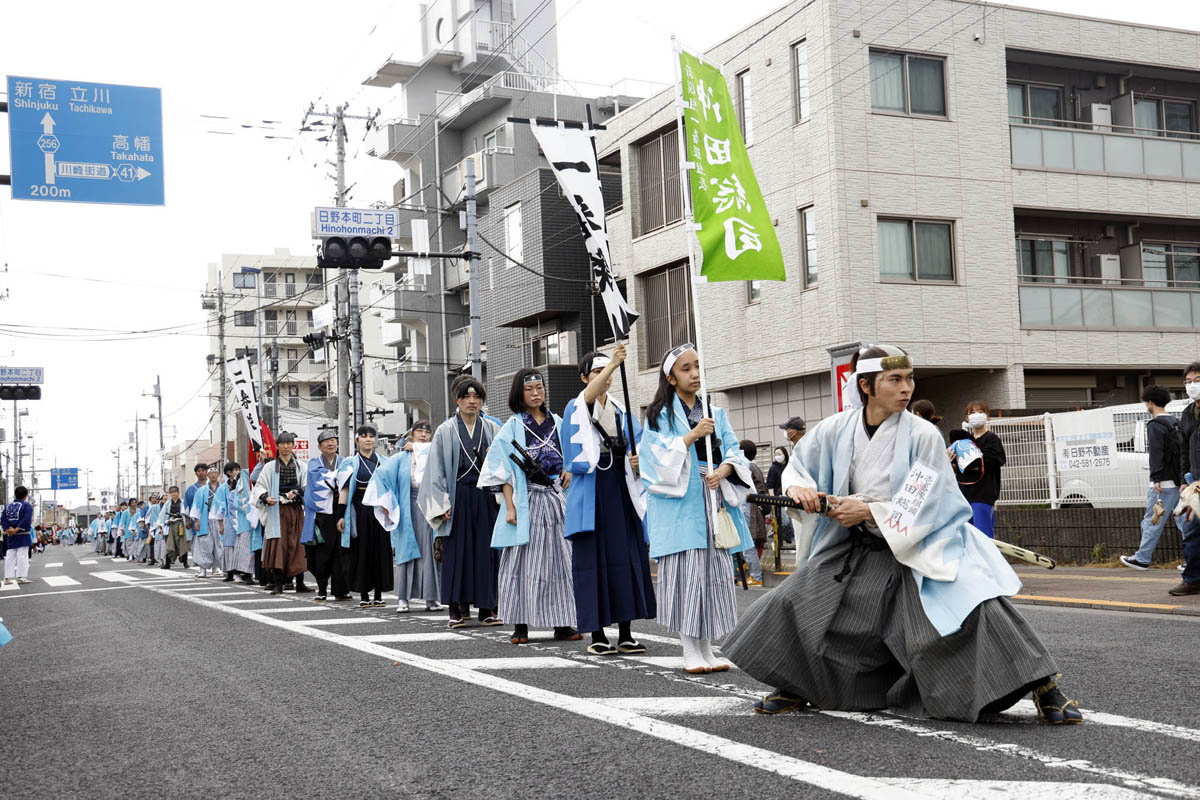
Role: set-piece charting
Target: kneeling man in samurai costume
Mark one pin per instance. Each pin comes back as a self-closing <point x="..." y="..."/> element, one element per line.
<point x="901" y="603"/>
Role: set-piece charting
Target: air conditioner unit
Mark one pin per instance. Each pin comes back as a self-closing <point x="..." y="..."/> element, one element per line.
<point x="1099" y="115"/>
<point x="1108" y="267"/>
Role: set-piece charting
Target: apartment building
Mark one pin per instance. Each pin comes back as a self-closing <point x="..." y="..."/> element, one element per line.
<point x="1013" y="195"/>
<point x="269" y="301"/>
<point x="484" y="63"/>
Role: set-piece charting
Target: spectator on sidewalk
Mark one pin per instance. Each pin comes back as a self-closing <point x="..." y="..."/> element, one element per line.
<point x="983" y="495"/>
<point x="1164" y="444"/>
<point x="16" y="522"/>
<point x="794" y="430"/>
<point x="1189" y="424"/>
<point x="755" y="516"/>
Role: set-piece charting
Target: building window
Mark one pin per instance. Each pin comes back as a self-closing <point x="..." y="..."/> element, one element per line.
<point x="808" y="246"/>
<point x="244" y="280"/>
<point x="246" y="352"/>
<point x="289" y="284"/>
<point x="317" y="391"/>
<point x="514" y="244"/>
<point x="293" y="396"/>
<point x="908" y="84"/>
<point x="668" y="311"/>
<point x="916" y="250"/>
<point x="243" y="319"/>
<point x="753" y="292"/>
<point x="312" y="281"/>
<point x="745" y="111"/>
<point x="269" y="284"/>
<point x="800" y="80"/>
<point x="553" y="349"/>
<point x="1169" y="264"/>
<point x="1030" y="104"/>
<point x="1161" y="117"/>
<point x="293" y="359"/>
<point x="660" y="202"/>
<point x="1044" y="260"/>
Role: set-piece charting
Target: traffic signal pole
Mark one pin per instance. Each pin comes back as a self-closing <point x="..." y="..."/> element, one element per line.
<point x="343" y="290"/>
<point x="473" y="273"/>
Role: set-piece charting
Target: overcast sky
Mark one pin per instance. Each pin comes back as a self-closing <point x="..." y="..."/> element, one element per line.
<point x="223" y="65"/>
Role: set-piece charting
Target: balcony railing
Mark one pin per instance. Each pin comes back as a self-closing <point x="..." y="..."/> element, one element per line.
<point x="1076" y="147"/>
<point x="1101" y="304"/>
<point x="269" y="289"/>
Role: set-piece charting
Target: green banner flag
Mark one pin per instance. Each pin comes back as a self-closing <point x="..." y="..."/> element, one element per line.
<point x="735" y="230"/>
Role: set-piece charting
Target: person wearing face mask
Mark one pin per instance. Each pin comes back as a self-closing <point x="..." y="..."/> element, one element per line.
<point x="1163" y="446"/>
<point x="775" y="486"/>
<point x="983" y="495"/>
<point x="1189" y="424"/>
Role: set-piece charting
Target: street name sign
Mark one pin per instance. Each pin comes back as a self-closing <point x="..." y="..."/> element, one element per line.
<point x="85" y="142"/>
<point x="64" y="478"/>
<point x="22" y="375"/>
<point x="355" y="222"/>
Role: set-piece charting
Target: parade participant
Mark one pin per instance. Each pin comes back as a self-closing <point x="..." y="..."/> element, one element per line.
<point x="695" y="590"/>
<point x="278" y="493"/>
<point x="322" y="542"/>
<point x="367" y="546"/>
<point x="143" y="533"/>
<point x="459" y="511"/>
<point x="16" y="523"/>
<point x="610" y="562"/>
<point x="525" y="461"/>
<point x="94" y="533"/>
<point x="917" y="621"/>
<point x="417" y="573"/>
<point x="176" y="534"/>
<point x="205" y="514"/>
<point x="154" y="541"/>
<point x="256" y="531"/>
<point x="983" y="495"/>
<point x="233" y="504"/>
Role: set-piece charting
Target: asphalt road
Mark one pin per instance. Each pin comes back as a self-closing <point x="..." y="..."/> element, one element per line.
<point x="127" y="682"/>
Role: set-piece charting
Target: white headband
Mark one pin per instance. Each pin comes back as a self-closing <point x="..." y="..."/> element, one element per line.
<point x="600" y="362"/>
<point x="868" y="366"/>
<point x="673" y="356"/>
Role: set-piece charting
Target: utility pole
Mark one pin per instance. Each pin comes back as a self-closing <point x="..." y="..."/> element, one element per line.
<point x="275" y="383"/>
<point x="137" y="456"/>
<point x="220" y="366"/>
<point x="473" y="280"/>
<point x="17" y="444"/>
<point x="119" y="495"/>
<point x="162" y="459"/>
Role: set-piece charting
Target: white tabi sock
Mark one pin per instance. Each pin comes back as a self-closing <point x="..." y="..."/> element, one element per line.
<point x="692" y="656"/>
<point x="707" y="654"/>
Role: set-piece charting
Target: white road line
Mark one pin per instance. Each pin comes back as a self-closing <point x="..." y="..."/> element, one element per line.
<point x="435" y="617"/>
<point x="1025" y="709"/>
<point x="612" y="634"/>
<point x="60" y="580"/>
<point x="70" y="591"/>
<point x="432" y="636"/>
<point x="802" y="771"/>
<point x="9" y="586"/>
<point x="705" y="706"/>
<point x="300" y="610"/>
<point x="665" y="662"/>
<point x="192" y="587"/>
<point x="158" y="573"/>
<point x="55" y="564"/>
<point x="255" y="600"/>
<point x="1026" y="790"/>
<point x="222" y="593"/>
<point x="354" y="621"/>
<point x="529" y="662"/>
<point x="87" y="563"/>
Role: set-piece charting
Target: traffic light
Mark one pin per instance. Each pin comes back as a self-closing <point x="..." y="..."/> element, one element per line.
<point x="20" y="393"/>
<point x="358" y="252"/>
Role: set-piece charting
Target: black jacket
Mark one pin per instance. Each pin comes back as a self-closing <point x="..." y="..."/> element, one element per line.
<point x="1188" y="425"/>
<point x="1159" y="433"/>
<point x="987" y="490"/>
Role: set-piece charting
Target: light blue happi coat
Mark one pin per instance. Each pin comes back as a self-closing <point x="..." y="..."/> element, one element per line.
<point x="319" y="495"/>
<point x="955" y="566"/>
<point x="234" y="507"/>
<point x="499" y="469"/>
<point x="202" y="510"/>
<point x="390" y="492"/>
<point x="347" y="479"/>
<point x="436" y="495"/>
<point x="267" y="485"/>
<point x="581" y="454"/>
<point x="675" y="513"/>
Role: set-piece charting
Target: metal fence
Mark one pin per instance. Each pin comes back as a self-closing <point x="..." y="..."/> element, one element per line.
<point x="1031" y="476"/>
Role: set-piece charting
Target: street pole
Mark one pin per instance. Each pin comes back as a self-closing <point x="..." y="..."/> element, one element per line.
<point x="17" y="443"/>
<point x="220" y="366"/>
<point x="473" y="280"/>
<point x="162" y="458"/>
<point x="275" y="383"/>
<point x="137" y="456"/>
<point x="119" y="495"/>
<point x="343" y="292"/>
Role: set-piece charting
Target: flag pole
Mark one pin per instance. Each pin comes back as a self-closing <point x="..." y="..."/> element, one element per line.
<point x="592" y="299"/>
<point x="689" y="224"/>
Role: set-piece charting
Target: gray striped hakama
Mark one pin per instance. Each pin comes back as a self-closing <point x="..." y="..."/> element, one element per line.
<point x="535" y="579"/>
<point x="865" y="643"/>
<point x="421" y="577"/>
<point x="206" y="551"/>
<point x="238" y="558"/>
<point x="695" y="590"/>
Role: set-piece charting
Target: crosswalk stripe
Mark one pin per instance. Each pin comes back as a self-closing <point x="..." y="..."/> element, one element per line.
<point x="220" y="594"/>
<point x="87" y="563"/>
<point x="9" y="587"/>
<point x="232" y="602"/>
<point x="1026" y="709"/>
<point x="300" y="610"/>
<point x="60" y="580"/>
<point x="680" y="706"/>
<point x="162" y="573"/>
<point x="528" y="662"/>
<point x="432" y="636"/>
<point x="55" y="564"/>
<point x="665" y="662"/>
<point x="347" y="621"/>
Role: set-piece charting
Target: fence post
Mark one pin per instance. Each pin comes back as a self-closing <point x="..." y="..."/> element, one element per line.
<point x="1051" y="470"/>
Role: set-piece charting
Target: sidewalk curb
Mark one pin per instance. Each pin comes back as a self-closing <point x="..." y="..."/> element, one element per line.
<point x="1100" y="605"/>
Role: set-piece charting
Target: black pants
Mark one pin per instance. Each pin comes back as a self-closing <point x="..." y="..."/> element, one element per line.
<point x="327" y="560"/>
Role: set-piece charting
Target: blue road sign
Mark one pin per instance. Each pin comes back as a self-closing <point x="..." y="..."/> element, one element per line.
<point x="64" y="478"/>
<point x="84" y="142"/>
<point x="22" y="374"/>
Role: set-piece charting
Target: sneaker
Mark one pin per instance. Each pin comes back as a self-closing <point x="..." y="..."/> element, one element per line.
<point x="401" y="606"/>
<point x="26" y="580"/>
<point x="1132" y="562"/>
<point x="1185" y="588"/>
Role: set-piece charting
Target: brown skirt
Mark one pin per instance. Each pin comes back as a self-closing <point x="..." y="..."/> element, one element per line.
<point x="286" y="553"/>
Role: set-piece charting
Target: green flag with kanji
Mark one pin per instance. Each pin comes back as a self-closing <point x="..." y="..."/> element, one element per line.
<point x="735" y="230"/>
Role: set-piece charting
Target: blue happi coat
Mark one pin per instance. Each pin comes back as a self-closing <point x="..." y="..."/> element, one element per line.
<point x="499" y="469"/>
<point x="320" y="495"/>
<point x="675" y="513"/>
<point x="233" y="506"/>
<point x="202" y="510"/>
<point x="347" y="478"/>
<point x="390" y="491"/>
<point x="955" y="566"/>
<point x="581" y="454"/>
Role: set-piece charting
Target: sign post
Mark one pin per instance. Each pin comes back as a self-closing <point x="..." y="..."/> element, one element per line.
<point x="85" y="142"/>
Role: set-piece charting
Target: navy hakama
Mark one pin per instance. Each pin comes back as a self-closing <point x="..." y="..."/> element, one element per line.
<point x="470" y="567"/>
<point x="370" y="551"/>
